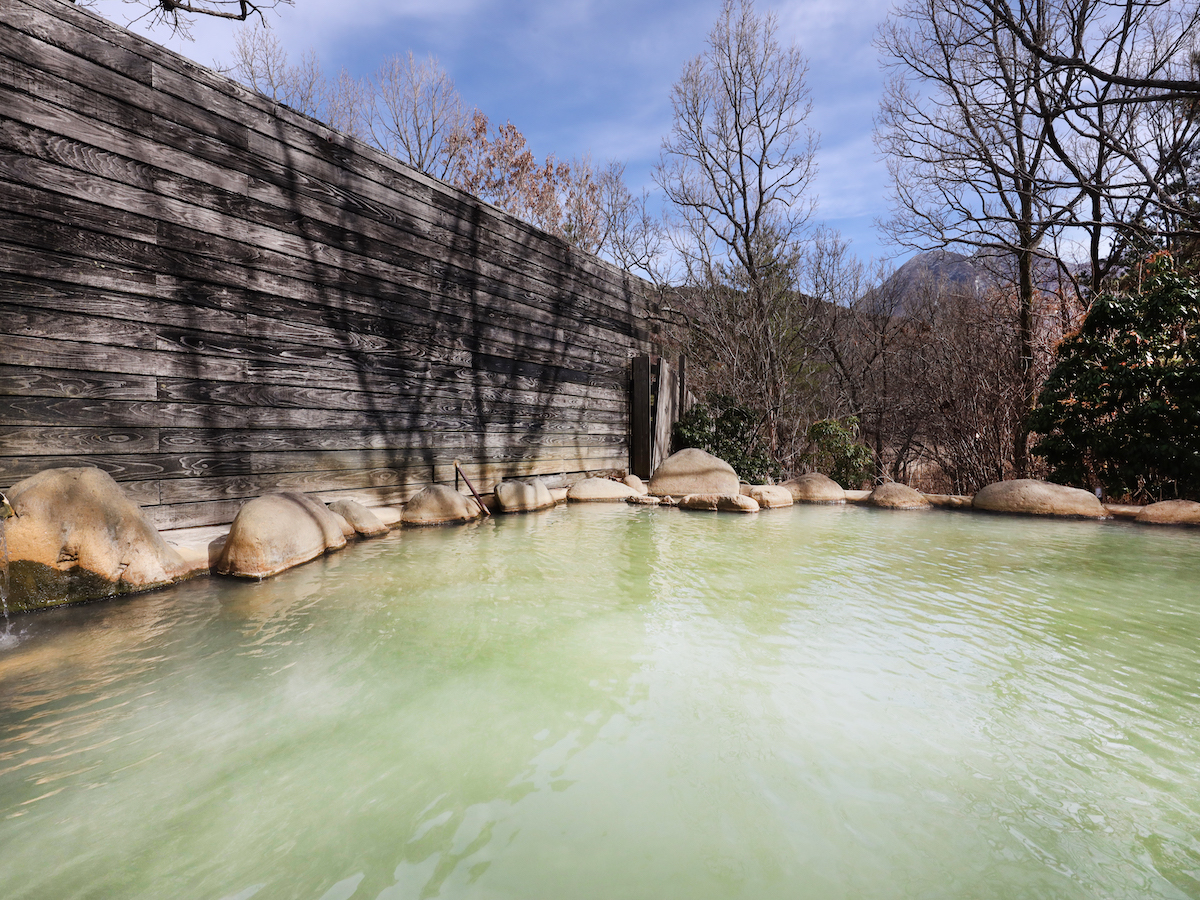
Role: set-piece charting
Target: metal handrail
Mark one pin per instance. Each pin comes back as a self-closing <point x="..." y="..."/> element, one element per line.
<point x="474" y="493"/>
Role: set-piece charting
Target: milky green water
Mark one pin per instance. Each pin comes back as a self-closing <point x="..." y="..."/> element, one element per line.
<point x="613" y="702"/>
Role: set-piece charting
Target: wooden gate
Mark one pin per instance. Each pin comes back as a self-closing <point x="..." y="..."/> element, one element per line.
<point x="657" y="398"/>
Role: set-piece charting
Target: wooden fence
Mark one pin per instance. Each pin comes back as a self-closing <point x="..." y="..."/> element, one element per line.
<point x="212" y="297"/>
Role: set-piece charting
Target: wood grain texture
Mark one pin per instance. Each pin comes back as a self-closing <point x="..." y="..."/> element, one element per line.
<point x="210" y="297"/>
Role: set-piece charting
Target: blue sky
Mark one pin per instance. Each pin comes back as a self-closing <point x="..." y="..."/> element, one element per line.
<point x="594" y="76"/>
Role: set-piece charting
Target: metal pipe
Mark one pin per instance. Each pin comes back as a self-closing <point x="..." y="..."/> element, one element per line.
<point x="474" y="493"/>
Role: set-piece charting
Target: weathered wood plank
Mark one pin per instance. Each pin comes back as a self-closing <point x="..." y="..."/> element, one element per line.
<point x="130" y="466"/>
<point x="143" y="493"/>
<point x="423" y="379"/>
<point x="98" y="438"/>
<point x="192" y="515"/>
<point x="183" y="440"/>
<point x="52" y="25"/>
<point x="328" y="461"/>
<point x="22" y="321"/>
<point x="191" y="490"/>
<point x="641" y="431"/>
<point x="492" y="400"/>
<point x="18" y="381"/>
<point x="212" y="309"/>
<point x="53" y="411"/>
<point x="75" y="354"/>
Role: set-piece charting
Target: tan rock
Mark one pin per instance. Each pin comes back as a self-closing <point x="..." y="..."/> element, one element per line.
<point x="362" y="520"/>
<point x="275" y="532"/>
<point x="693" y="471"/>
<point x="599" y="489"/>
<point x="1027" y="496"/>
<point x="644" y="500"/>
<point x="440" y="505"/>
<point x="737" y="503"/>
<point x="559" y="494"/>
<point x="348" y="531"/>
<point x="770" y="496"/>
<point x="388" y="515"/>
<point x="949" y="501"/>
<point x="719" y="503"/>
<point x="200" y="545"/>
<point x="815" y="488"/>
<point x="897" y="496"/>
<point x="523" y="495"/>
<point x="636" y="483"/>
<point x="75" y="535"/>
<point x="1171" y="512"/>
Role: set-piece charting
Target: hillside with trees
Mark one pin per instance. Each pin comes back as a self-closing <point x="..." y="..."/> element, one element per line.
<point x="1012" y="137"/>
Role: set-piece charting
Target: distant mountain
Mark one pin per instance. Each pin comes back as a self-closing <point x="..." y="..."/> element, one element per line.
<point x="972" y="275"/>
<point x="968" y="274"/>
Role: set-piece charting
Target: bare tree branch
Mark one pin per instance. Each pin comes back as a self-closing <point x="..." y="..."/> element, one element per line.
<point x="177" y="15"/>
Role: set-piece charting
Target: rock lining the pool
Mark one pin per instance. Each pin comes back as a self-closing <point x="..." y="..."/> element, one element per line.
<point x="1029" y="497"/>
<point x="364" y="522"/>
<point x="75" y="535"/>
<point x="277" y="532"/>
<point x="815" y="488"/>
<point x="893" y="495"/>
<point x="440" y="505"/>
<point x="523" y="495"/>
<point x="737" y="503"/>
<point x="693" y="471"/>
<point x="600" y="490"/>
<point x="768" y="496"/>
<point x="52" y="563"/>
<point x="1171" y="512"/>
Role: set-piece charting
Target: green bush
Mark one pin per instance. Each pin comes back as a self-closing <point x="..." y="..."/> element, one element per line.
<point x="1122" y="404"/>
<point x="727" y="430"/>
<point x="838" y="452"/>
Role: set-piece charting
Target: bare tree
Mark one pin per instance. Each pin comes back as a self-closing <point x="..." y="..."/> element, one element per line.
<point x="1117" y="89"/>
<point x="348" y="102"/>
<point x="970" y="154"/>
<point x="631" y="235"/>
<point x="1135" y="44"/>
<point x="261" y="63"/>
<point x="736" y="169"/>
<point x="866" y="330"/>
<point x="417" y="114"/>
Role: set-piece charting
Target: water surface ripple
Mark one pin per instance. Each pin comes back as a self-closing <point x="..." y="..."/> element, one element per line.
<point x="609" y="702"/>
